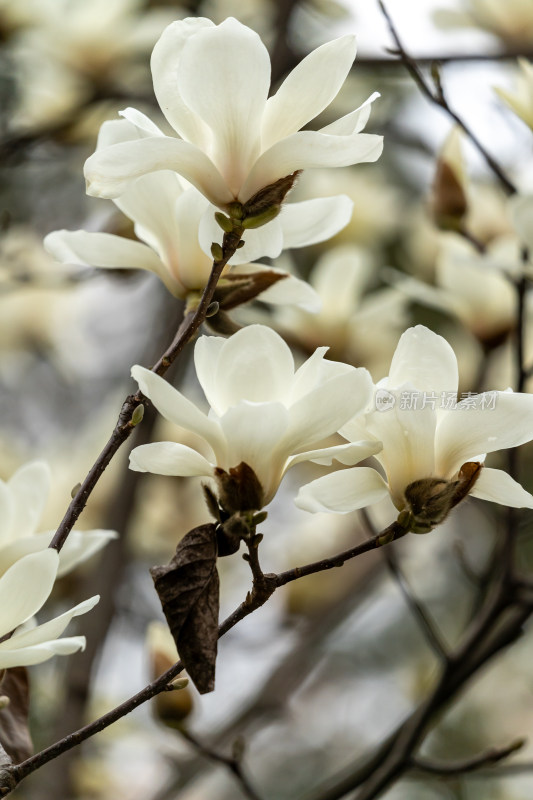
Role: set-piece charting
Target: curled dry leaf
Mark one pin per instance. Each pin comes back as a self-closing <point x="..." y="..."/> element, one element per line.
<point x="188" y="588"/>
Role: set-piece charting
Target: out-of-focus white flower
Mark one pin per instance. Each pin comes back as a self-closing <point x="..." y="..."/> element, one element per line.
<point x="511" y="21"/>
<point x="263" y="413"/>
<point x="359" y="328"/>
<point x="177" y="226"/>
<point x="212" y="84"/>
<point x="431" y="444"/>
<point x="521" y="98"/>
<point x="22" y="501"/>
<point x="24" y="588"/>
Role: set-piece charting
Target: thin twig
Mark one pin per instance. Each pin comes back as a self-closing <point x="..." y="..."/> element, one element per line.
<point x="437" y="97"/>
<point x="432" y="634"/>
<point x="231" y="762"/>
<point x="453" y="768"/>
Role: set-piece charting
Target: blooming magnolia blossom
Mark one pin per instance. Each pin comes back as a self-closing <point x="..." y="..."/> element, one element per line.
<point x="431" y="447"/>
<point x="212" y="83"/>
<point x="24" y="588"/>
<point x="22" y="501"/>
<point x="177" y="227"/>
<point x="263" y="412"/>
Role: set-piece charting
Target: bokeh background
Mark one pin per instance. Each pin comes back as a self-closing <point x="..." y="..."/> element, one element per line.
<point x="333" y="662"/>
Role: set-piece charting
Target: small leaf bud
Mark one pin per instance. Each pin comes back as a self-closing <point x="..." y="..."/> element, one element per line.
<point x="235" y="210"/>
<point x="224" y="222"/>
<point x="137" y="415"/>
<point x="257" y="220"/>
<point x="216" y="251"/>
<point x="212" y="309"/>
<point x="75" y="489"/>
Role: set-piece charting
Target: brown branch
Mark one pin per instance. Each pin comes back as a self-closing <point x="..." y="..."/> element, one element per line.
<point x="436" y="95"/>
<point x="233" y="763"/>
<point x="262" y="589"/>
<point x="125" y="425"/>
<point x="451" y="769"/>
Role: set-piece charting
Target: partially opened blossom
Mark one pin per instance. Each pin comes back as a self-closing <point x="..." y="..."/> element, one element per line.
<point x="433" y="446"/>
<point x="265" y="415"/>
<point x="22" y="501"/>
<point x="176" y="226"/>
<point x="212" y="83"/>
<point x="24" y="588"/>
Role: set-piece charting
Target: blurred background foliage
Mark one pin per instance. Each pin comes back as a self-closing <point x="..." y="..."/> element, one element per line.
<point x="333" y="662"/>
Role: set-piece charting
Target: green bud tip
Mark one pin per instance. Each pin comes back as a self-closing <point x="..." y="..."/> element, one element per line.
<point x="236" y="211"/>
<point x="216" y="251"/>
<point x="178" y="684"/>
<point x="257" y="220"/>
<point x="137" y="415"/>
<point x="212" y="309"/>
<point x="75" y="489"/>
<point x="224" y="222"/>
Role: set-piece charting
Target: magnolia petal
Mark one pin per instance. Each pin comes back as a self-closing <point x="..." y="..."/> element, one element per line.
<point x="143" y="125"/>
<point x="521" y="212"/>
<point x="313" y="221"/>
<point x="25" y="587"/>
<point x="165" y="63"/>
<point x="255" y="364"/>
<point x="315" y="371"/>
<point x="18" y="548"/>
<point x="329" y="406"/>
<point x="206" y="355"/>
<point x="109" y="171"/>
<point x="169" y="458"/>
<point x="28" y="656"/>
<point x="354" y="122"/>
<point x="80" y="546"/>
<point x="349" y="454"/>
<point x="343" y="491"/>
<point x="255" y="433"/>
<point x="228" y="92"/>
<point x="48" y="631"/>
<point x="30" y="486"/>
<point x="291" y="291"/>
<point x="497" y="486"/>
<point x="348" y="266"/>
<point x="308" y="149"/>
<point x="505" y="421"/>
<point x="174" y="406"/>
<point x="302" y="97"/>
<point x="102" y="250"/>
<point x="424" y="360"/>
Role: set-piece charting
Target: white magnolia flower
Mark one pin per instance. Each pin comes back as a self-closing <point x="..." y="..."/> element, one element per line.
<point x="24" y="588"/>
<point x="521" y="98"/>
<point x="431" y="447"/>
<point x="22" y="501"/>
<point x="263" y="412"/>
<point x="176" y="226"/>
<point x="212" y="83"/>
<point x="511" y="21"/>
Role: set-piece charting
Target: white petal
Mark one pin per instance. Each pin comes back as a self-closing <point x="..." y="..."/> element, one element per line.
<point x="80" y="546"/>
<point x="27" y="656"/>
<point x="290" y="291"/>
<point x="329" y="406"/>
<point x="254" y="364"/>
<point x="308" y="149"/>
<point x="169" y="458"/>
<point x="314" y="372"/>
<point x="206" y="355"/>
<point x="166" y="75"/>
<point x="104" y="250"/>
<point x="354" y="122"/>
<point x="347" y="266"/>
<point x="424" y="360"/>
<point x="348" y="454"/>
<point x="255" y="433"/>
<point x="224" y="75"/>
<point x="109" y="171"/>
<point x="497" y="486"/>
<point x="467" y="431"/>
<point x="25" y="587"/>
<point x="30" y="486"/>
<point x="143" y="124"/>
<point x="308" y="89"/>
<point x="521" y="212"/>
<point x="18" y="548"/>
<point x="174" y="406"/>
<point x="50" y="630"/>
<point x="343" y="491"/>
<point x="190" y="264"/>
<point x="314" y="221"/>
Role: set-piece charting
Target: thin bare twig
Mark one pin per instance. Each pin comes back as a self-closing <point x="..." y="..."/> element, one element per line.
<point x="453" y="768"/>
<point x="436" y="95"/>
<point x="233" y="763"/>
